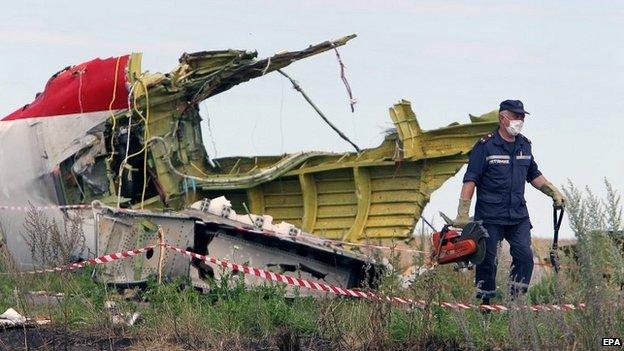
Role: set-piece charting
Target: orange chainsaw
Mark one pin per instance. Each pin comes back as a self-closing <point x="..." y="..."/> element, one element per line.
<point x="456" y="245"/>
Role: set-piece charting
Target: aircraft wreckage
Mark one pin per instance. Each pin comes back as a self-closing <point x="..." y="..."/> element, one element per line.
<point x="128" y="141"/>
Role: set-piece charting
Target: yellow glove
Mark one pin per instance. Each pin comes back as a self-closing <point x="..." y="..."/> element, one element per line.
<point x="462" y="213"/>
<point x="549" y="189"/>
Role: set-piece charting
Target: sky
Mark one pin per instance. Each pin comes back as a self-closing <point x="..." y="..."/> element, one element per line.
<point x="563" y="59"/>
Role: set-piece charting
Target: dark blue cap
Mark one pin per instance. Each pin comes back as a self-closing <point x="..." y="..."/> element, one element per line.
<point x="514" y="106"/>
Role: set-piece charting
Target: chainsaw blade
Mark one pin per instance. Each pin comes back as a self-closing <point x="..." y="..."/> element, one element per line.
<point x="476" y="232"/>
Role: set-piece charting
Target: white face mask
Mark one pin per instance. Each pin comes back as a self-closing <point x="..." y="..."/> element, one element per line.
<point x="514" y="127"/>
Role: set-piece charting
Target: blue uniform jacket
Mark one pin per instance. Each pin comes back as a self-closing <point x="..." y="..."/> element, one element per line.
<point x="500" y="177"/>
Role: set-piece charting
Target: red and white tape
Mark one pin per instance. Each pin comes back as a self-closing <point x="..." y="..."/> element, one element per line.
<point x="43" y="208"/>
<point x="308" y="284"/>
<point x="272" y="276"/>
<point x="94" y="261"/>
<point x="290" y="280"/>
<point x="303" y="236"/>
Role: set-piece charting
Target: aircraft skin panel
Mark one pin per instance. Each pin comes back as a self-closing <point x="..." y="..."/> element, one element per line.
<point x="39" y="136"/>
<point x="385" y="199"/>
<point x="309" y="193"/>
<point x="96" y="85"/>
<point x="378" y="194"/>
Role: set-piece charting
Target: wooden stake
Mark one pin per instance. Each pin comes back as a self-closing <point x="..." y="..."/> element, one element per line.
<point x="161" y="253"/>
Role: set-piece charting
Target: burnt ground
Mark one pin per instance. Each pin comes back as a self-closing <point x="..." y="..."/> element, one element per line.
<point x="51" y="338"/>
<point x="48" y="338"/>
<point x="55" y="338"/>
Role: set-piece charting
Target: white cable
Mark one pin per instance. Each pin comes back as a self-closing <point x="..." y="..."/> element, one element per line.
<point x="264" y="71"/>
<point x="212" y="139"/>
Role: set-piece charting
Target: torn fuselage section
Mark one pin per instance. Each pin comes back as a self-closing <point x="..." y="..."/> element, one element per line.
<point x="151" y="153"/>
<point x="132" y="141"/>
<point x="151" y="156"/>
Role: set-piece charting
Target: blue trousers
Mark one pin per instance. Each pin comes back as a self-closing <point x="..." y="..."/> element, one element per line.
<point x="519" y="238"/>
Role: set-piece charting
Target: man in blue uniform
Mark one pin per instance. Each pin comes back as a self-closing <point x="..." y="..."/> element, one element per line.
<point x="500" y="164"/>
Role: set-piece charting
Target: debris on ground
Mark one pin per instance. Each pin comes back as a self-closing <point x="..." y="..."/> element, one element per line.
<point x="11" y="319"/>
<point x="121" y="318"/>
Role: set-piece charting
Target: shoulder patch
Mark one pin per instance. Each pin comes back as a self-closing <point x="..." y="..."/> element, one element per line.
<point x="485" y="138"/>
<point x="526" y="139"/>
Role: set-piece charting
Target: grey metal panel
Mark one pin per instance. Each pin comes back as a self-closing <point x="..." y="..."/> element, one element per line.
<point x="123" y="232"/>
<point x="267" y="258"/>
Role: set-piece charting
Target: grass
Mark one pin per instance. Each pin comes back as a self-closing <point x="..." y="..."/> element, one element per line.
<point x="174" y="316"/>
<point x="243" y="318"/>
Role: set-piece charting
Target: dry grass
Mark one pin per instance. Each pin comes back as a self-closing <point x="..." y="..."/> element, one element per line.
<point x="49" y="244"/>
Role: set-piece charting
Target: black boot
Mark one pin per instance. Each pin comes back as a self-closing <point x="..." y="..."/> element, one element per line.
<point x="485" y="301"/>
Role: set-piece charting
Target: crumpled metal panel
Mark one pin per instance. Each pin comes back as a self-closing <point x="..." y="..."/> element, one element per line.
<point x="223" y="238"/>
<point x="376" y="194"/>
<point x="121" y="231"/>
